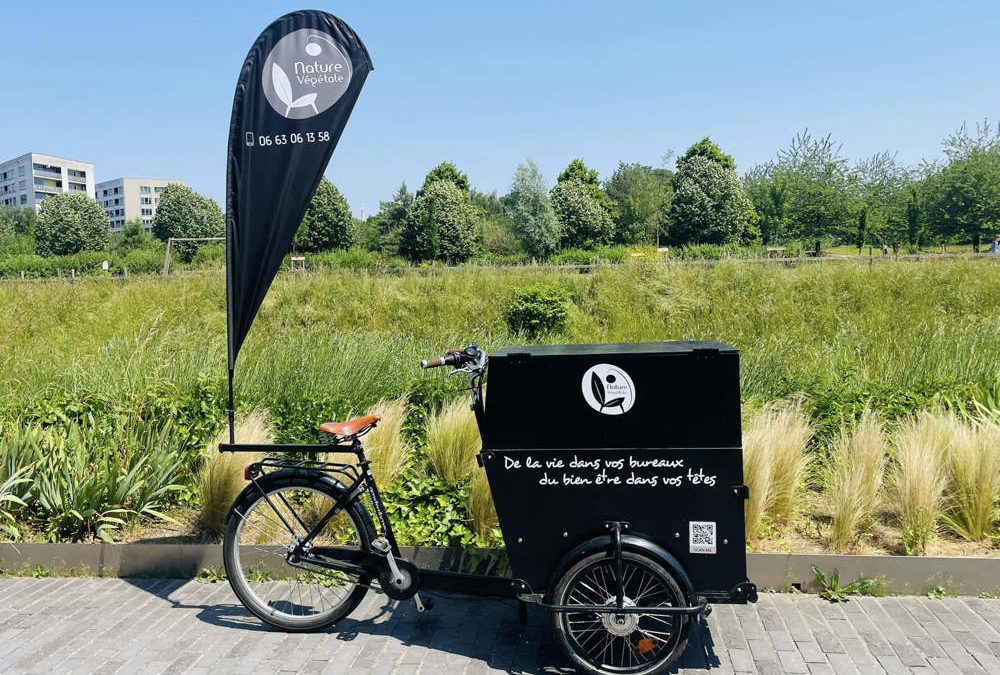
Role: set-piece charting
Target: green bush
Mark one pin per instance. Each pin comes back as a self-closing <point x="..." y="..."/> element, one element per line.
<point x="590" y="256"/>
<point x="353" y="258"/>
<point x="69" y="223"/>
<point x="212" y="256"/>
<point x="537" y="311"/>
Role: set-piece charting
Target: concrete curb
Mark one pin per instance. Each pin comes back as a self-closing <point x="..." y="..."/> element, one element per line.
<point x="779" y="571"/>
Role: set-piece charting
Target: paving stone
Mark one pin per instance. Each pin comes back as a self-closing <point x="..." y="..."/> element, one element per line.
<point x="68" y="626"/>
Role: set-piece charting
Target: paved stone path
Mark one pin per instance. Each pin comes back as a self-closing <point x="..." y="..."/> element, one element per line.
<point x="61" y="626"/>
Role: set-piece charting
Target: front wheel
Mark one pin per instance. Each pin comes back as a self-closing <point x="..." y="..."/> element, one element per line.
<point x="626" y="644"/>
<point x="265" y="523"/>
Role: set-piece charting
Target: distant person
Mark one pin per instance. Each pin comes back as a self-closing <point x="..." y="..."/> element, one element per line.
<point x="995" y="246"/>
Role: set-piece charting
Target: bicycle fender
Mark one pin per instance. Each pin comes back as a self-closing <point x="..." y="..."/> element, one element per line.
<point x="265" y="481"/>
<point x="630" y="542"/>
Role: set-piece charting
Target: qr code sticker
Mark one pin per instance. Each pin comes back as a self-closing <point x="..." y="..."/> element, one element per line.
<point x="702" y="536"/>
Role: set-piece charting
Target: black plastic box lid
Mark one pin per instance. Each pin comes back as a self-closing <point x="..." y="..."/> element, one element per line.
<point x="676" y="347"/>
<point x="635" y="395"/>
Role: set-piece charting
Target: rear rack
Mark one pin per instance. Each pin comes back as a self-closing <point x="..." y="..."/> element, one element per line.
<point x="349" y="471"/>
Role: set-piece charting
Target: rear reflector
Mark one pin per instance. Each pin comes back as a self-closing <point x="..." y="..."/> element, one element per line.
<point x="246" y="472"/>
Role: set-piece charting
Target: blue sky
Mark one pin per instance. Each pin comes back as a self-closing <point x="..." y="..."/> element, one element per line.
<point x="145" y="89"/>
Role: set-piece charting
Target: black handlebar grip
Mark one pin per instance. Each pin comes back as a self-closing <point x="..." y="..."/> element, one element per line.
<point x="432" y="363"/>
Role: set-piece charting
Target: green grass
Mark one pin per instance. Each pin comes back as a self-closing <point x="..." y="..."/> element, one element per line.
<point x="104" y="354"/>
<point x="360" y="336"/>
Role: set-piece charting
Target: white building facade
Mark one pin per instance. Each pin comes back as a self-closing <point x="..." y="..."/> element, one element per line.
<point x="30" y="178"/>
<point x="126" y="199"/>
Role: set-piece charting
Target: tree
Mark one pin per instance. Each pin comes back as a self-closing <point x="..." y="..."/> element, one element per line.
<point x="880" y="214"/>
<point x="963" y="197"/>
<point x="531" y="215"/>
<point x="768" y="192"/>
<point x="69" y="223"/>
<point x="709" y="203"/>
<point x="806" y="192"/>
<point x="442" y="225"/>
<point x="18" y="220"/>
<point x="446" y="171"/>
<point x="325" y="224"/>
<point x="391" y="220"/>
<point x="642" y="197"/>
<point x="182" y="212"/>
<point x="134" y="236"/>
<point x="709" y="150"/>
<point x="577" y="170"/>
<point x="583" y="223"/>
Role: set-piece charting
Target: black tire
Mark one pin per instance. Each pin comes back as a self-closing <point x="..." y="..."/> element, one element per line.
<point x="311" y="597"/>
<point x="642" y="644"/>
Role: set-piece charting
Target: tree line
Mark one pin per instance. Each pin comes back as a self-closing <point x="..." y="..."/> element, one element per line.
<point x="808" y="193"/>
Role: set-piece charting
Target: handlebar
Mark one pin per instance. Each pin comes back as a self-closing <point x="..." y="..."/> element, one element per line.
<point x="454" y="358"/>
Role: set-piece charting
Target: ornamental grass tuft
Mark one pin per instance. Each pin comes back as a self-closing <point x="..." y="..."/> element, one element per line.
<point x="453" y="441"/>
<point x="854" y="479"/>
<point x="919" y="476"/>
<point x="221" y="478"/>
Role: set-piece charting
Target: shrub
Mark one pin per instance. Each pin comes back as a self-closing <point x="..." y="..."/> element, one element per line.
<point x="221" y="476"/>
<point x="598" y="254"/>
<point x="8" y="496"/>
<point x="210" y="256"/>
<point x="90" y="481"/>
<point x="453" y="441"/>
<point x="537" y="311"/>
<point x="919" y="477"/>
<point x="854" y="479"/>
<point x="973" y="480"/>
<point x="70" y="223"/>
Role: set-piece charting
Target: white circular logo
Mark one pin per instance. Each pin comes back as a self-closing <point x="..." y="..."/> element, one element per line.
<point x="608" y="389"/>
<point x="305" y="74"/>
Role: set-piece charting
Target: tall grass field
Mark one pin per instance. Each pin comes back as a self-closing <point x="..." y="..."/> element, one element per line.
<point x="102" y="356"/>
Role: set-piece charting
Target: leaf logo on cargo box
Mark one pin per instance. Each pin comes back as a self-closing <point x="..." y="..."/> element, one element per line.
<point x="608" y="389"/>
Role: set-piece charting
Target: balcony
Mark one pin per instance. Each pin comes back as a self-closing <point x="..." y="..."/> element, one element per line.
<point x="50" y="189"/>
<point x="46" y="173"/>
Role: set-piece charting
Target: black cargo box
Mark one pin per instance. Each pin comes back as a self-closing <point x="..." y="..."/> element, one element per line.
<point x="639" y="395"/>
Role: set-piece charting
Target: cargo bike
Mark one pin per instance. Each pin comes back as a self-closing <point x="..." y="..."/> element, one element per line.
<point x="616" y="471"/>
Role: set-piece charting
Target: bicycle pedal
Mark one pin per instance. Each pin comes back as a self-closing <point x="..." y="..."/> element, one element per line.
<point x="381" y="545"/>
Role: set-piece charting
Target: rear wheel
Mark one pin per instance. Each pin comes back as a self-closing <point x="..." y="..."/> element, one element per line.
<point x="264" y="524"/>
<point x="631" y="644"/>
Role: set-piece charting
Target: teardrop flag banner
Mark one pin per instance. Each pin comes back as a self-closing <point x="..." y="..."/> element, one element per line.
<point x="295" y="93"/>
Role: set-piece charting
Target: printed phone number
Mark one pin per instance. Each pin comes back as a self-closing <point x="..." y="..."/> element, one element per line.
<point x="287" y="139"/>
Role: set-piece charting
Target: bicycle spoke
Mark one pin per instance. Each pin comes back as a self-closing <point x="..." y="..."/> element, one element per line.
<point x="625" y="643"/>
<point x="301" y="590"/>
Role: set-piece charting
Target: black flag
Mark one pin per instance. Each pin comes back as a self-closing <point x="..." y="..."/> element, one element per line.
<point x="296" y="90"/>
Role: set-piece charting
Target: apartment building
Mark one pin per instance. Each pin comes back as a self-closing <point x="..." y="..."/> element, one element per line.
<point x="126" y="199"/>
<point x="30" y="178"/>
